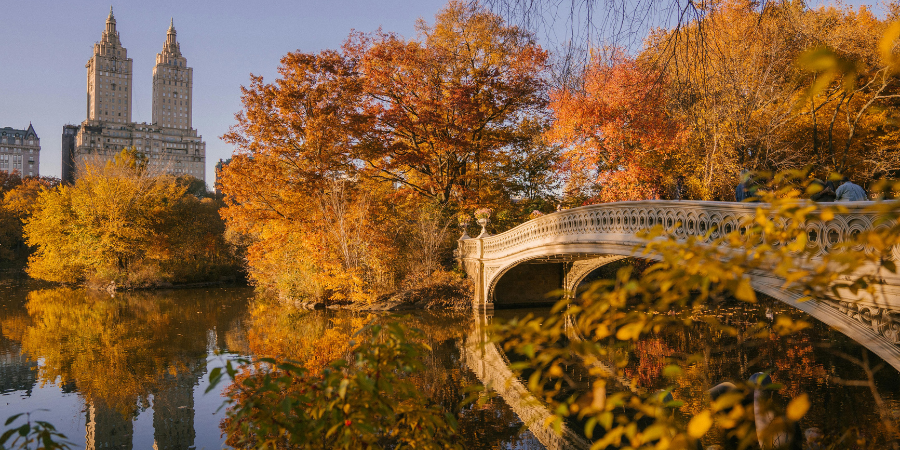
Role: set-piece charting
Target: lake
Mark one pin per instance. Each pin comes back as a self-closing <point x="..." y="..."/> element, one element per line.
<point x="129" y="370"/>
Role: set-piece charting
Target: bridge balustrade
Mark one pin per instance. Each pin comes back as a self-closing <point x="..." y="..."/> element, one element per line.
<point x="621" y="221"/>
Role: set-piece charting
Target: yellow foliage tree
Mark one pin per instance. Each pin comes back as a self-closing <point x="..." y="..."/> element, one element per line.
<point x="120" y="224"/>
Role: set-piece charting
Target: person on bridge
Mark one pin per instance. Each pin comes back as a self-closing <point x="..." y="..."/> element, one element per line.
<point x="740" y="191"/>
<point x="679" y="187"/>
<point x="850" y="192"/>
<point x="824" y="195"/>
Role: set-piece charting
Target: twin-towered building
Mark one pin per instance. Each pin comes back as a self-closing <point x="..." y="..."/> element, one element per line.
<point x="169" y="141"/>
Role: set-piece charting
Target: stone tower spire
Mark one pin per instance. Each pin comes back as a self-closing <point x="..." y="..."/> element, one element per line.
<point x="171" y="49"/>
<point x="172" y="85"/>
<point x="109" y="78"/>
<point x="110" y="35"/>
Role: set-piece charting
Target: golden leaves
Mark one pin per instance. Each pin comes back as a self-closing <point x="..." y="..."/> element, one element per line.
<point x="797" y="408"/>
<point x="744" y="291"/>
<point x="120" y="224"/>
<point x="699" y="424"/>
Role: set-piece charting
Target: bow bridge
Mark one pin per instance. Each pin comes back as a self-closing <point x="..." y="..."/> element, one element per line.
<point x="558" y="251"/>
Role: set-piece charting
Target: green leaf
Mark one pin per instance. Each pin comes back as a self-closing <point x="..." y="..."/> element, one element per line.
<point x="6" y="435"/>
<point x="215" y="376"/>
<point x="589" y="427"/>
<point x="672" y="371"/>
<point x="12" y="418"/>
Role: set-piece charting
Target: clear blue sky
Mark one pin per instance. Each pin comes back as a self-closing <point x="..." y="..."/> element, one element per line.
<point x="45" y="45"/>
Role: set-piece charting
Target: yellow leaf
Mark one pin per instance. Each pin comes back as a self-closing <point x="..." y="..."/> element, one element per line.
<point x="699" y="425"/>
<point x="886" y="44"/>
<point x="797" y="408"/>
<point x="555" y="371"/>
<point x="599" y="399"/>
<point x="827" y="215"/>
<point x="630" y="331"/>
<point x="744" y="291"/>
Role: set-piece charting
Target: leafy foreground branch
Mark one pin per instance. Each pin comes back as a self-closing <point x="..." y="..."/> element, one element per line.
<point x="367" y="402"/>
<point x="684" y="291"/>
<point x="35" y="434"/>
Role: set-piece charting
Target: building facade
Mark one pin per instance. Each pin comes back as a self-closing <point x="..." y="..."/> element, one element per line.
<point x="170" y="142"/>
<point x="68" y="151"/>
<point x="20" y="151"/>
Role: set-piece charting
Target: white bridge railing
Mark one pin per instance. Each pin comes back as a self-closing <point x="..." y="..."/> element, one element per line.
<point x="619" y="222"/>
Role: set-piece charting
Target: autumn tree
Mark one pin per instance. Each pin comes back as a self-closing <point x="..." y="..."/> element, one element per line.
<point x="120" y="224"/>
<point x="616" y="130"/>
<point x="744" y="97"/>
<point x="737" y="96"/>
<point x="342" y="160"/>
<point x="447" y="106"/>
<point x="294" y="187"/>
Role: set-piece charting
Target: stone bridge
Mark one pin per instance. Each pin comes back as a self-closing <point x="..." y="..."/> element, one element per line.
<point x="556" y="252"/>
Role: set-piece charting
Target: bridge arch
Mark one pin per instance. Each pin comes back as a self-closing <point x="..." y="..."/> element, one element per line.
<point x="572" y="243"/>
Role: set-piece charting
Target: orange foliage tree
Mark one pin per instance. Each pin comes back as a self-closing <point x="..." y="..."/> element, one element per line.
<point x="341" y="157"/>
<point x="616" y="129"/>
<point x="744" y="93"/>
<point x="754" y="87"/>
<point x="448" y="105"/>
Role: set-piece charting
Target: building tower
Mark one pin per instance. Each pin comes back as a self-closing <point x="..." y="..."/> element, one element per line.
<point x="170" y="143"/>
<point x="69" y="135"/>
<point x="172" y="85"/>
<point x="109" y="78"/>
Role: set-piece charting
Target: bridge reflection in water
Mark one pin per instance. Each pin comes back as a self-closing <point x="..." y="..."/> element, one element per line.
<point x="557" y="252"/>
<point x="810" y="361"/>
<point x="489" y="363"/>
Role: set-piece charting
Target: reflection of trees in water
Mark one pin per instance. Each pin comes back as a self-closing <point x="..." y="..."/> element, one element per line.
<point x="17" y="370"/>
<point x="818" y="361"/>
<point x="446" y="378"/>
<point x="120" y="350"/>
<point x="314" y="338"/>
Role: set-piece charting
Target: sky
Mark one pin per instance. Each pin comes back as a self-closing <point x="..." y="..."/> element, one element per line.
<point x="46" y="44"/>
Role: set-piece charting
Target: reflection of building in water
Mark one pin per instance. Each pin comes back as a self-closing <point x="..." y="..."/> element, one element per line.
<point x="17" y="373"/>
<point x="173" y="410"/>
<point x="107" y="428"/>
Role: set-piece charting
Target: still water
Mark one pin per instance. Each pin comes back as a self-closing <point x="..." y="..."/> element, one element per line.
<point x="130" y="370"/>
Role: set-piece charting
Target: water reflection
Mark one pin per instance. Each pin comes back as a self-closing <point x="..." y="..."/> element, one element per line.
<point x="855" y="395"/>
<point x="309" y="338"/>
<point x="123" y="357"/>
<point x="129" y="371"/>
